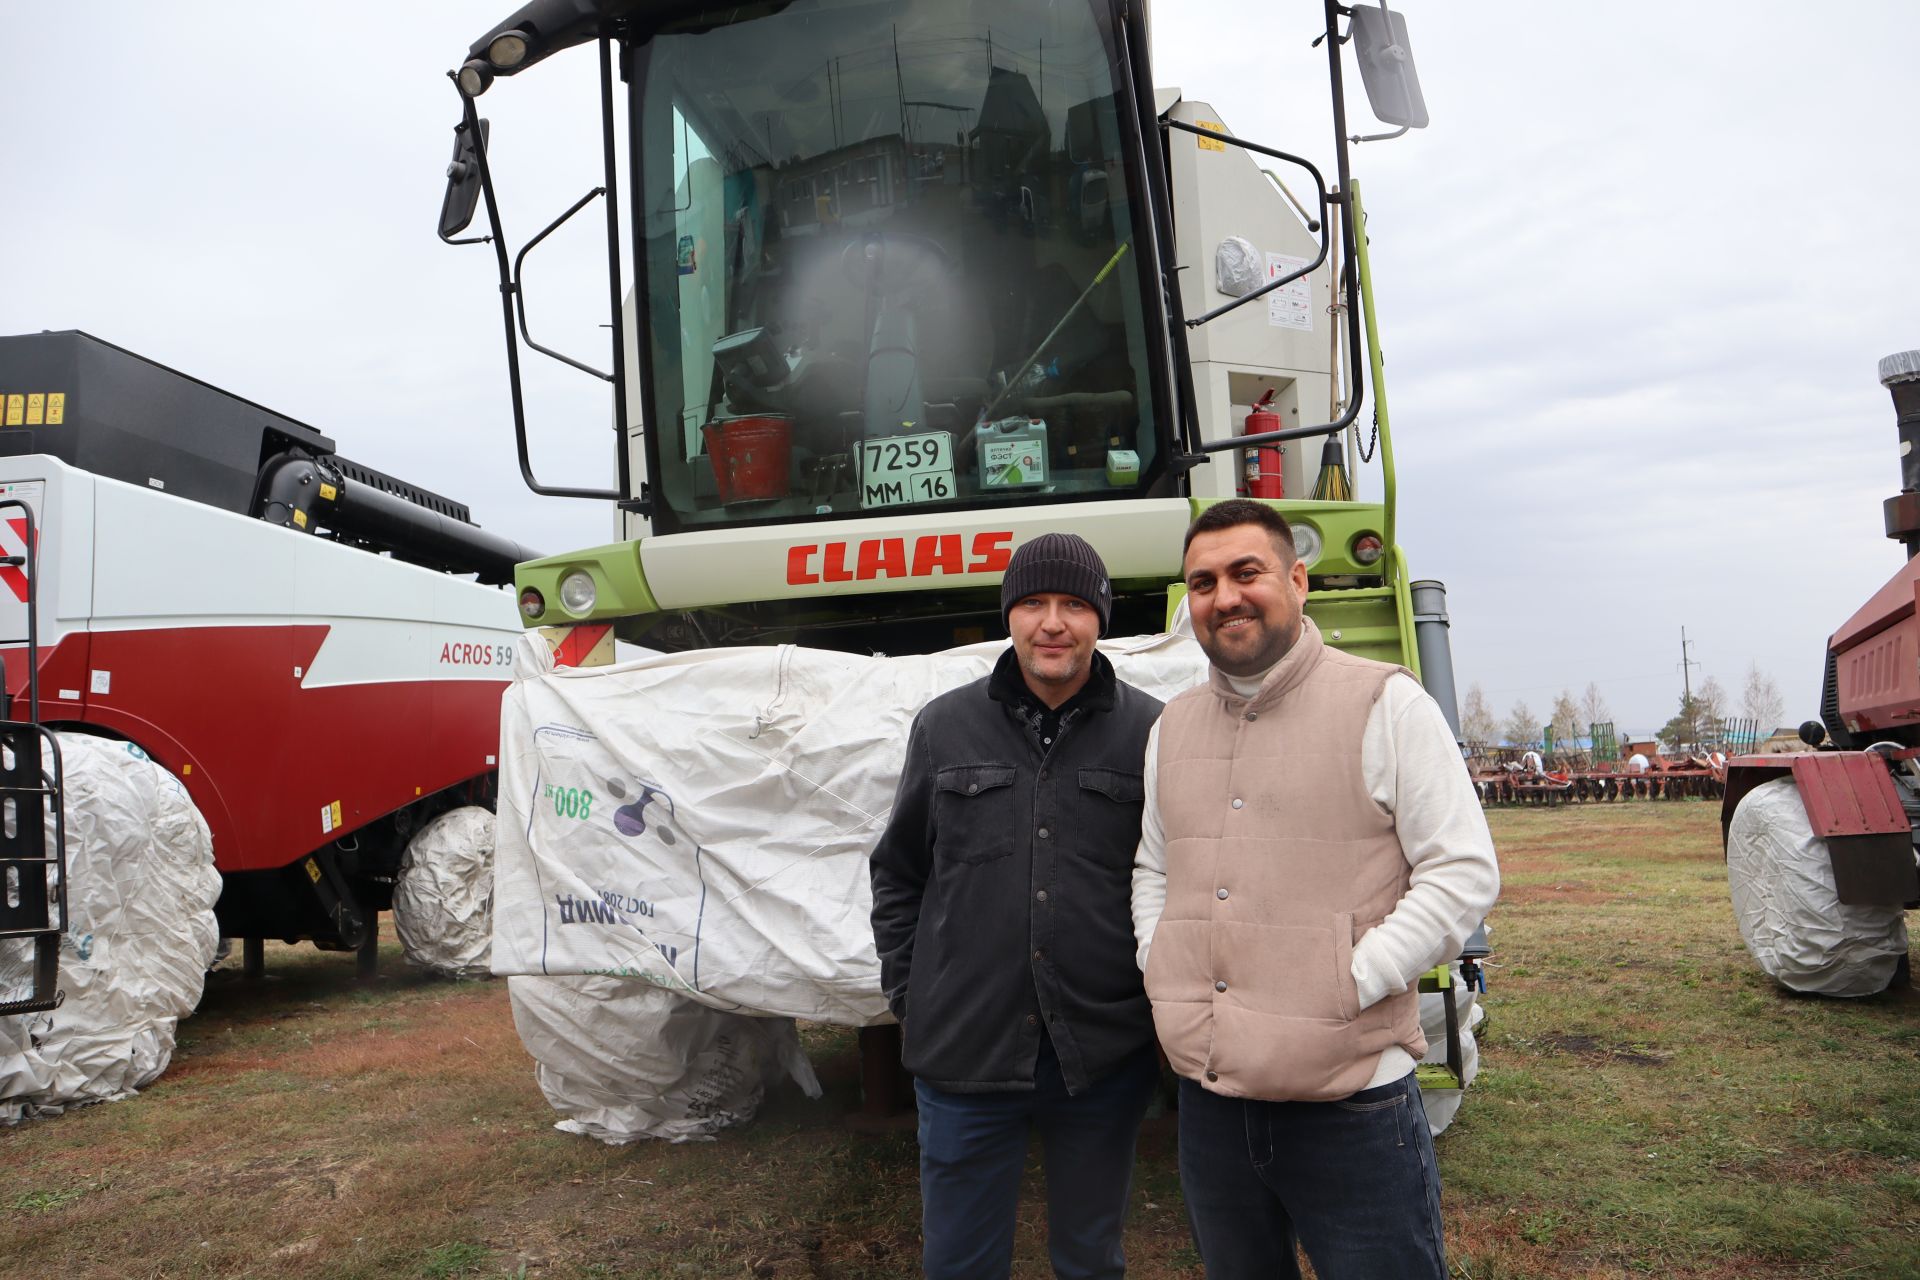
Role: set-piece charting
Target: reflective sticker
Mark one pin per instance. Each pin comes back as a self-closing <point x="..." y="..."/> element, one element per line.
<point x="1210" y="144"/>
<point x="56" y="408"/>
<point x="185" y="770"/>
<point x="36" y="408"/>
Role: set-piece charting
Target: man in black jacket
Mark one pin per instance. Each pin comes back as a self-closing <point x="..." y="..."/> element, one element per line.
<point x="1001" y="910"/>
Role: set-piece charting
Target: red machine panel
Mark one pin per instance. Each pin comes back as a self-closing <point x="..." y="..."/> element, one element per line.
<point x="1849" y="794"/>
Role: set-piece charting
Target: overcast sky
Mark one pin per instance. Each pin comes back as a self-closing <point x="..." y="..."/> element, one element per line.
<point x="1633" y="283"/>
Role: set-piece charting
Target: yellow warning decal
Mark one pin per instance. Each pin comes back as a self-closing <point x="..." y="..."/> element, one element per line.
<point x="313" y="870"/>
<point x="36" y="408"/>
<point x="16" y="410"/>
<point x="327" y="492"/>
<point x="1211" y="144"/>
<point x="300" y="518"/>
<point x="336" y="814"/>
<point x="56" y="408"/>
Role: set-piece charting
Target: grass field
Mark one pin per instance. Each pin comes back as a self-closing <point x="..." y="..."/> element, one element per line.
<point x="1648" y="1104"/>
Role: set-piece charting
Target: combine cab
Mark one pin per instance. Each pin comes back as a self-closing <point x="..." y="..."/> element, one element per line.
<point x="940" y="283"/>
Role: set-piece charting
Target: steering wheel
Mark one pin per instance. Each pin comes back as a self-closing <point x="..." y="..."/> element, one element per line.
<point x="889" y="263"/>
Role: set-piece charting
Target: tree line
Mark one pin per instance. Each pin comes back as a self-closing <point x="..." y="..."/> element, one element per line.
<point x="1702" y="716"/>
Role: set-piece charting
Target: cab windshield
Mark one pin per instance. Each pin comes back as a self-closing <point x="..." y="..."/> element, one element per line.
<point x="890" y="258"/>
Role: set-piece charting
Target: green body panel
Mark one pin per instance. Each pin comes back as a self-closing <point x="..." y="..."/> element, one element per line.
<point x="620" y="585"/>
<point x="1364" y="623"/>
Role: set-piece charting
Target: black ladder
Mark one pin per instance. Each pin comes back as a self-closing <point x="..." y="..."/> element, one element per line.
<point x="33" y="862"/>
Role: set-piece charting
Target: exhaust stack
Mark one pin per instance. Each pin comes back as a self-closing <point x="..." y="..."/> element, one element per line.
<point x="1900" y="375"/>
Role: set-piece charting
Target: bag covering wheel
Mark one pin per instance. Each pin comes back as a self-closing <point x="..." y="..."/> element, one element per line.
<point x="623" y="1059"/>
<point x="1790" y="916"/>
<point x="443" y="897"/>
<point x="141" y="933"/>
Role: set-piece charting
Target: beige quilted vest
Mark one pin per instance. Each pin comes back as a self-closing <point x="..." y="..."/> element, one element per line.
<point x="1278" y="861"/>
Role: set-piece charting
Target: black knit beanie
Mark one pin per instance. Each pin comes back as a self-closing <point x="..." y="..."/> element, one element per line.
<point x="1062" y="562"/>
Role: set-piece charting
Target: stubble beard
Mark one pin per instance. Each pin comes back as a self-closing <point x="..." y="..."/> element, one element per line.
<point x="1278" y="641"/>
<point x="1031" y="665"/>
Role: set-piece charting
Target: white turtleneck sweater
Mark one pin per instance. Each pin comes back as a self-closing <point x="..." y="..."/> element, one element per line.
<point x="1412" y="767"/>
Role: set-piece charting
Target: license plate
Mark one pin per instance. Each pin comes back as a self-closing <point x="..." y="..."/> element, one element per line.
<point x="904" y="469"/>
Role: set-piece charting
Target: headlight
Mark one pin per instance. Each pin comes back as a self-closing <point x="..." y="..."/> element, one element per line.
<point x="474" y="78"/>
<point x="532" y="604"/>
<point x="1307" y="543"/>
<point x="577" y="592"/>
<point x="509" y="49"/>
<point x="1367" y="549"/>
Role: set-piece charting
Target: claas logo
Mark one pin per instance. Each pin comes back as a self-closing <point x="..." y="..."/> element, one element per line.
<point x="929" y="555"/>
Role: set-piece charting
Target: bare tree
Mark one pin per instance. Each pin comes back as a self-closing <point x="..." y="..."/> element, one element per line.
<point x="1520" y="729"/>
<point x="1566" y="720"/>
<point x="1710" y="702"/>
<point x="1476" y="719"/>
<point x="1761" y="702"/>
<point x="1593" y="708"/>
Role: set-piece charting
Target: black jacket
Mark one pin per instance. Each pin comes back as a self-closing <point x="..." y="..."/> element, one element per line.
<point x="1002" y="884"/>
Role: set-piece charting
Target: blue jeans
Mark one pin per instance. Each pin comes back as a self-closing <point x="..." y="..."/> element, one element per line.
<point x="973" y="1147"/>
<point x="1353" y="1181"/>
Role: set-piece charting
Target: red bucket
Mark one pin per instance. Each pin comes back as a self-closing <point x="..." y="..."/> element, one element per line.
<point x="750" y="458"/>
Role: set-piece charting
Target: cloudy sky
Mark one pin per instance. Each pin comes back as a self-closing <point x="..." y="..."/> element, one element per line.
<point x="1633" y="284"/>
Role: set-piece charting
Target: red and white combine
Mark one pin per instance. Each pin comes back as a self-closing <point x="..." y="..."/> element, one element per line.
<point x="1821" y="846"/>
<point x="314" y="649"/>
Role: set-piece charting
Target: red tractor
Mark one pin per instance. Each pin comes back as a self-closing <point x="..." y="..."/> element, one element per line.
<point x="1821" y="845"/>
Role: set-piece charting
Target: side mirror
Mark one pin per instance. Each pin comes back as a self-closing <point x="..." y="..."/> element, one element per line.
<point x="1813" y="733"/>
<point x="1386" y="66"/>
<point x="463" y="181"/>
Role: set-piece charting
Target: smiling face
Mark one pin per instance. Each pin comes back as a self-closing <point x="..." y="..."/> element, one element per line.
<point x="1053" y="637"/>
<point x="1246" y="596"/>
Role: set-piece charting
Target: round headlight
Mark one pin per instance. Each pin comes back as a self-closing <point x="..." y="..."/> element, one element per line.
<point x="507" y="50"/>
<point x="577" y="592"/>
<point x="532" y="604"/>
<point x="474" y="78"/>
<point x="1367" y="549"/>
<point x="1307" y="543"/>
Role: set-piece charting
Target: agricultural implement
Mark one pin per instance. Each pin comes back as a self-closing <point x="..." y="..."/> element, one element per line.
<point x="1686" y="778"/>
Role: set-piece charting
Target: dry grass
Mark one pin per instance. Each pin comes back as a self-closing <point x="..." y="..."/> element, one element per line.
<point x="1649" y="1104"/>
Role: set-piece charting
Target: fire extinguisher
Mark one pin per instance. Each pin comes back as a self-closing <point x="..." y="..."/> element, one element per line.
<point x="1262" y="465"/>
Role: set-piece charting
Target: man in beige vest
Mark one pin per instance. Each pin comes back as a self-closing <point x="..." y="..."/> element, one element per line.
<point x="1311" y="844"/>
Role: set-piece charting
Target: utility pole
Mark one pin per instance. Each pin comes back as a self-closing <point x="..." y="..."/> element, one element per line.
<point x="1686" y="687"/>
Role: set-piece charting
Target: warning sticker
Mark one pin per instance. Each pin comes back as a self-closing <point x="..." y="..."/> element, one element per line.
<point x="36" y="409"/>
<point x="16" y="410"/>
<point x="56" y="408"/>
<point x="1291" y="305"/>
<point x="1210" y="144"/>
<point x="334" y="812"/>
<point x="326" y="819"/>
